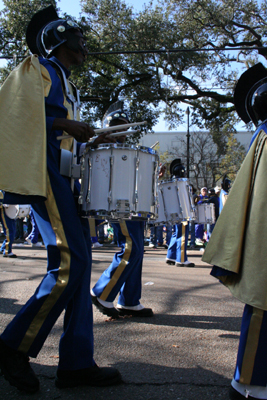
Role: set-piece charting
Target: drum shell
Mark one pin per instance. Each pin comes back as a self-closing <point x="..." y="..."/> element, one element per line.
<point x="205" y="213"/>
<point x="10" y="210"/>
<point x="186" y="199"/>
<point x="17" y="211"/>
<point x="162" y="217"/>
<point x="116" y="174"/>
<point x="175" y="202"/>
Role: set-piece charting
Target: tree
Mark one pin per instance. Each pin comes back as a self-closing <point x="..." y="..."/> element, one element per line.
<point x="202" y="79"/>
<point x="203" y="158"/>
<point x="14" y="19"/>
<point x="205" y="167"/>
<point x="232" y="160"/>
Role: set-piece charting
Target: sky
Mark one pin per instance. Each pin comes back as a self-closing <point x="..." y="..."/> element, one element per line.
<point x="72" y="7"/>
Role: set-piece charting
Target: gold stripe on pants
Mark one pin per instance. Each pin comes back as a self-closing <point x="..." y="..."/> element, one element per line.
<point x="183" y="243"/>
<point x="251" y="346"/>
<point x="63" y="273"/>
<point x="124" y="261"/>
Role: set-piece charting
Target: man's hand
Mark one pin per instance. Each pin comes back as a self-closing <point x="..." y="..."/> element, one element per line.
<point x="121" y="139"/>
<point x="162" y="170"/>
<point x="103" y="138"/>
<point x="81" y="131"/>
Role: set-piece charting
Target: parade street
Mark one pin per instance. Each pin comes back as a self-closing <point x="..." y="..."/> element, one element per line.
<point x="186" y="351"/>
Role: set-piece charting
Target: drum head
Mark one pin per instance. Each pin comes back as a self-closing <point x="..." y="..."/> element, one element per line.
<point x="11" y="211"/>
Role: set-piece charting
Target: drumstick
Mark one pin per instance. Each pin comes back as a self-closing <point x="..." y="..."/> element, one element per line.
<point x="108" y="129"/>
<point x="125" y="133"/>
<point x="124" y="126"/>
<point x="154" y="145"/>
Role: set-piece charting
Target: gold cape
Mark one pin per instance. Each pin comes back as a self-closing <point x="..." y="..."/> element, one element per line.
<point x="23" y="129"/>
<point x="239" y="240"/>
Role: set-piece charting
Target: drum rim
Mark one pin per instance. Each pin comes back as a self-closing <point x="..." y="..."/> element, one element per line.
<point x="173" y="180"/>
<point x="122" y="146"/>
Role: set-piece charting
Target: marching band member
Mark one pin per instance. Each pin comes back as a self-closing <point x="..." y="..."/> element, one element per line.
<point x="124" y="274"/>
<point x="177" y="250"/>
<point x="237" y="247"/>
<point x="45" y="104"/>
<point x="199" y="228"/>
<point x="9" y="228"/>
<point x="226" y="184"/>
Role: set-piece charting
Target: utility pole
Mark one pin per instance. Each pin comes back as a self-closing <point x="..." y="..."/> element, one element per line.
<point x="188" y="143"/>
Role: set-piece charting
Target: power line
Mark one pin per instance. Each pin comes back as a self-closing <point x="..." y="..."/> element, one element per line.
<point x="175" y="50"/>
<point x="159" y="51"/>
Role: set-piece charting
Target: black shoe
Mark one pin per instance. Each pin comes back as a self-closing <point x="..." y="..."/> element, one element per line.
<point x="235" y="395"/>
<point x="110" y="312"/>
<point x="93" y="376"/>
<point x="9" y="255"/>
<point x="188" y="265"/>
<point x="193" y="247"/>
<point x="144" y="312"/>
<point x="170" y="262"/>
<point x="16" y="369"/>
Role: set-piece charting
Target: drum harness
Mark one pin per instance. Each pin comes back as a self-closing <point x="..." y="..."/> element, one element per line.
<point x="68" y="164"/>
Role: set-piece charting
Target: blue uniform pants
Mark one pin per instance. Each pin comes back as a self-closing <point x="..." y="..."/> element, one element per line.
<point x="9" y="228"/>
<point x="66" y="285"/>
<point x="124" y="273"/>
<point x="33" y="236"/>
<point x="251" y="365"/>
<point x="168" y="234"/>
<point x="177" y="250"/>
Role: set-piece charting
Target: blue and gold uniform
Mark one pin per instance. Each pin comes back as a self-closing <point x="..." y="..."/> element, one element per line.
<point x="67" y="239"/>
<point x="124" y="274"/>
<point x="238" y="244"/>
<point x="177" y="250"/>
<point x="178" y="244"/>
<point x="66" y="235"/>
<point x="9" y="228"/>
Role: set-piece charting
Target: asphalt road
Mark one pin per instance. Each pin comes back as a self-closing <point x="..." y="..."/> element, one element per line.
<point x="186" y="351"/>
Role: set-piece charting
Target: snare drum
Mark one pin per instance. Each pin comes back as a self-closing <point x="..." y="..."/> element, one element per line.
<point x="162" y="216"/>
<point x="23" y="210"/>
<point x="119" y="182"/>
<point x="205" y="213"/>
<point x="175" y="202"/>
<point x="17" y="211"/>
<point x="10" y="210"/>
<point x="188" y="209"/>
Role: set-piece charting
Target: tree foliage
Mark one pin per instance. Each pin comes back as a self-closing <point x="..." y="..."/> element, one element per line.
<point x="206" y="168"/>
<point x="14" y="20"/>
<point x="232" y="160"/>
<point x="203" y="80"/>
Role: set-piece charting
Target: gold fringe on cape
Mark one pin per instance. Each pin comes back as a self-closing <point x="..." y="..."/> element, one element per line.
<point x="239" y="240"/>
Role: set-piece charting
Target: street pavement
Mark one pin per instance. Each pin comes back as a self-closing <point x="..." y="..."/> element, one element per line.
<point x="186" y="351"/>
